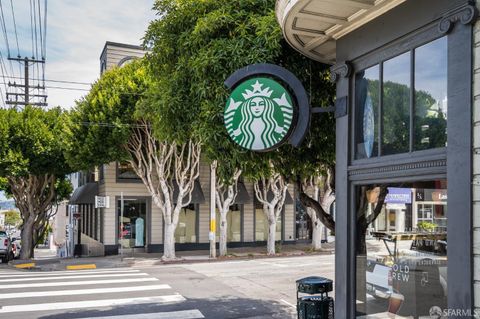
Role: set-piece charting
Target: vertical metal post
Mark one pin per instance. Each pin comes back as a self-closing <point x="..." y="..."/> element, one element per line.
<point x="121" y="226"/>
<point x="27" y="88"/>
<point x="211" y="234"/>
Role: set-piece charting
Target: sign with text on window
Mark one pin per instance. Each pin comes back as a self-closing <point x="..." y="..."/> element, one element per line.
<point x="102" y="201"/>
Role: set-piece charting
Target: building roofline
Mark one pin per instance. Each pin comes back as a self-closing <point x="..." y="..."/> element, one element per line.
<point x="121" y="45"/>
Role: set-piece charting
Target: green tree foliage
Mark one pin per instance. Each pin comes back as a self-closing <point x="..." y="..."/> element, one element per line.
<point x="196" y="45"/>
<point x="103" y="119"/>
<point x="33" y="166"/>
<point x="12" y="218"/>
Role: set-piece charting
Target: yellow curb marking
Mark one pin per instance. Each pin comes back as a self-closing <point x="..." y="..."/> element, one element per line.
<point x="28" y="265"/>
<point x="79" y="267"/>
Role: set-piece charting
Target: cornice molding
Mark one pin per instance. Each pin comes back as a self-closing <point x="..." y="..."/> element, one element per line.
<point x="398" y="168"/>
<point x="465" y="14"/>
<point x="340" y="70"/>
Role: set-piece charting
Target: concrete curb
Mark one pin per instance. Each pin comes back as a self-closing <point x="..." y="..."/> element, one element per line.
<point x="81" y="267"/>
<point x="25" y="265"/>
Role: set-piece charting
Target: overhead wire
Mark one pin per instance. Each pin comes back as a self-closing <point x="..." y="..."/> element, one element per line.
<point x="16" y="35"/>
<point x="44" y="39"/>
<point x="5" y="35"/>
<point x="3" y="68"/>
<point x="58" y="81"/>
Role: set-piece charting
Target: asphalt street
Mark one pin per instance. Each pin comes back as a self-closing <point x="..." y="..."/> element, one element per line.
<point x="259" y="288"/>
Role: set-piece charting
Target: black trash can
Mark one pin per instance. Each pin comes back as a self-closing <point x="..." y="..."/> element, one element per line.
<point x="317" y="304"/>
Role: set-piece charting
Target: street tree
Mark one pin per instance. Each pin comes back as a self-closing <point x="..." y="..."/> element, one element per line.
<point x="33" y="167"/>
<point x="118" y="120"/>
<point x="195" y="46"/>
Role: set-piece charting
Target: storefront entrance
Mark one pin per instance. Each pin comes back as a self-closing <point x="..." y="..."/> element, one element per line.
<point x="133" y="226"/>
<point x="407" y="137"/>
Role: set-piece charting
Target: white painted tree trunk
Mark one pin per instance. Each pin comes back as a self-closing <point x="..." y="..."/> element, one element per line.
<point x="272" y="231"/>
<point x="169" y="242"/>
<point x="223" y="234"/>
<point x="225" y="197"/>
<point x="272" y="208"/>
<point x="317" y="231"/>
<point x="162" y="166"/>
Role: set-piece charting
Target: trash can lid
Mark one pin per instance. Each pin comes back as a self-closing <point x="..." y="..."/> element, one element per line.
<point x="314" y="285"/>
<point x="314" y="280"/>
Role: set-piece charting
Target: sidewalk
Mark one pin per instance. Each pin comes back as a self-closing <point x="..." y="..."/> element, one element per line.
<point x="48" y="262"/>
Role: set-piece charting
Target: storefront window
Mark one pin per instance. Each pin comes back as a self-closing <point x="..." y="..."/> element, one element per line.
<point x="367" y="98"/>
<point x="125" y="172"/>
<point x="396" y="105"/>
<point x="261" y="225"/>
<point x="134" y="223"/>
<point x="234" y="224"/>
<point x="401" y="249"/>
<point x="431" y="95"/>
<point x="186" y="231"/>
<point x="413" y="106"/>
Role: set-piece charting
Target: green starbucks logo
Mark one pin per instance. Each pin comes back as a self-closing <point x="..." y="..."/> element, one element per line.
<point x="259" y="114"/>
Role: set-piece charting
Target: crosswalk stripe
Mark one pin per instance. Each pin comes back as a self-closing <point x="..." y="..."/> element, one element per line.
<point x="91" y="303"/>
<point x="73" y="283"/>
<point x="30" y="294"/>
<point x="183" y="314"/>
<point x="63" y="273"/>
<point x="72" y="277"/>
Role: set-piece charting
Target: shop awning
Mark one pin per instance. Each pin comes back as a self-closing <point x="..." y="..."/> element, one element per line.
<point x="313" y="27"/>
<point x="242" y="196"/>
<point x="84" y="194"/>
<point x="197" y="193"/>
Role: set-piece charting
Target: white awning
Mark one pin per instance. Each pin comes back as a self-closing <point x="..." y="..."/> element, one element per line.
<point x="313" y="26"/>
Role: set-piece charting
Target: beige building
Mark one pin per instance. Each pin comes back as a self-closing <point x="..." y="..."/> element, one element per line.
<point x="142" y="226"/>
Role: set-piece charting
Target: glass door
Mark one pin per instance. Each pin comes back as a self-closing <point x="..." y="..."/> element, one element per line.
<point x="132" y="228"/>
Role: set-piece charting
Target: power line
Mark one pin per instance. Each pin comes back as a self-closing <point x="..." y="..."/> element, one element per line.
<point x="5" y="35"/>
<point x="58" y="81"/>
<point x="44" y="40"/>
<point x="15" y="28"/>
<point x="65" y="88"/>
<point x="16" y="35"/>
<point x="31" y="29"/>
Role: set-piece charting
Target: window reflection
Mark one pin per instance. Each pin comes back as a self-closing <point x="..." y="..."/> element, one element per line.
<point x="186" y="231"/>
<point x="126" y="171"/>
<point x="396" y="105"/>
<point x="401" y="249"/>
<point x="366" y="117"/>
<point x="133" y="226"/>
<point x="431" y="95"/>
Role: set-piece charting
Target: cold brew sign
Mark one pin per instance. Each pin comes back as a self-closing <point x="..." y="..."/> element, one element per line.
<point x="259" y="114"/>
<point x="267" y="107"/>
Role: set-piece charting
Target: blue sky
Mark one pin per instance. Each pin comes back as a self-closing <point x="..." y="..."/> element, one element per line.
<point x="76" y="34"/>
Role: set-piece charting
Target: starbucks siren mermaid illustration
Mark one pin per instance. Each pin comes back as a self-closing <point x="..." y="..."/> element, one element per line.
<point x="259" y="120"/>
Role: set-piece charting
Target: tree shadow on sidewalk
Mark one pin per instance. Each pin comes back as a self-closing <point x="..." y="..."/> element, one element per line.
<point x="219" y="308"/>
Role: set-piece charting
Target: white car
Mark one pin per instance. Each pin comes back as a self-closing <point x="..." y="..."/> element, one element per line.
<point x="6" y="253"/>
<point x="16" y="247"/>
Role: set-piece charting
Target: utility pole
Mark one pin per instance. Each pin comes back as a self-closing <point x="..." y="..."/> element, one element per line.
<point x="212" y="233"/>
<point x="26" y="86"/>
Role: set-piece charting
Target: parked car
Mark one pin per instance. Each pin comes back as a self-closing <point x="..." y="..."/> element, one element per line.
<point x="6" y="253"/>
<point x="16" y="247"/>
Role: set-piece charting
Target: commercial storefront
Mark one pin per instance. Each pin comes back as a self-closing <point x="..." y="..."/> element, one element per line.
<point x="409" y="73"/>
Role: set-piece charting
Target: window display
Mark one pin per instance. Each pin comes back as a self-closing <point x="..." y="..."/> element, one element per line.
<point x="402" y="263"/>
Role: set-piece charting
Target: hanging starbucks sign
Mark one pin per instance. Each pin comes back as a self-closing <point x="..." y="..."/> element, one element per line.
<point x="259" y="114"/>
<point x="267" y="108"/>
